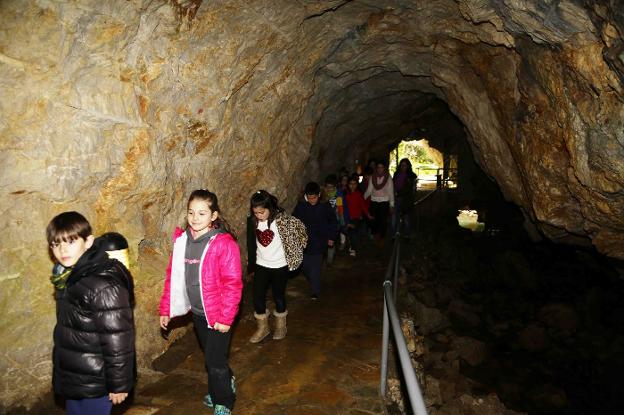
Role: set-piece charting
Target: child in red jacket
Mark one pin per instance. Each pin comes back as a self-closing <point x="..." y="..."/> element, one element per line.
<point x="358" y="208"/>
<point x="204" y="276"/>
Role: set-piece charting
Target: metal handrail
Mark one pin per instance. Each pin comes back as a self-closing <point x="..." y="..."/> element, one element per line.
<point x="418" y="205"/>
<point x="391" y="319"/>
<point x="425" y="197"/>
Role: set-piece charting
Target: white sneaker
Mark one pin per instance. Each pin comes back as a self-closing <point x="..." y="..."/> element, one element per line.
<point x="343" y="241"/>
<point x="352" y="252"/>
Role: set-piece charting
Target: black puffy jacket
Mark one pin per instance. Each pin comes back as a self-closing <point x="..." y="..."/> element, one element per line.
<point x="94" y="335"/>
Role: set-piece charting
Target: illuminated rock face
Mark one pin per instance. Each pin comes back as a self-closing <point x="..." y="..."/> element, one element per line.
<point x="119" y="109"/>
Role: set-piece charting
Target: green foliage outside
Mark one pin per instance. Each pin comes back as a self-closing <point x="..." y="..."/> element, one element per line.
<point x="422" y="162"/>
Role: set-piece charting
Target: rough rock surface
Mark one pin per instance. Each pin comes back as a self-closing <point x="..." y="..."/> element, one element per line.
<point x="118" y="109"/>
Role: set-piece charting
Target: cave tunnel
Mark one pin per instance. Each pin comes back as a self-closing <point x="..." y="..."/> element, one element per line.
<point x="120" y="109"/>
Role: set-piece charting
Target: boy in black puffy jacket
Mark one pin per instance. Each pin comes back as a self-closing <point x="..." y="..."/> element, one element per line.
<point x="94" y="351"/>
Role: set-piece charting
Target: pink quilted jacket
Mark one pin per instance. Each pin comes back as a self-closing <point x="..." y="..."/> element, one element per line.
<point x="221" y="281"/>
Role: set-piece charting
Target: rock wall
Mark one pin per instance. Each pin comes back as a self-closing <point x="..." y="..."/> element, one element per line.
<point x="119" y="109"/>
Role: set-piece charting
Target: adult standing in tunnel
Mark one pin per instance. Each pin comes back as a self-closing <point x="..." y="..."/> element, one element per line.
<point x="381" y="191"/>
<point x="280" y="240"/>
<point x="404" y="181"/>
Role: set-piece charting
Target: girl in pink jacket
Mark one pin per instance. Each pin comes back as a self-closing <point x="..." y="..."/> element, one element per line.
<point x="204" y="277"/>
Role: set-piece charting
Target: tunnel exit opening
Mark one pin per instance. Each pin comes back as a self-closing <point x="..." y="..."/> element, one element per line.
<point x="434" y="169"/>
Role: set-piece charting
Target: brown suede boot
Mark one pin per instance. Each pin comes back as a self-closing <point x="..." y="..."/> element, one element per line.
<point x="280" y="325"/>
<point x="263" y="327"/>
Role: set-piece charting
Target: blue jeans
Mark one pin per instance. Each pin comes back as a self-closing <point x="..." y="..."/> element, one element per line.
<point x="89" y="406"/>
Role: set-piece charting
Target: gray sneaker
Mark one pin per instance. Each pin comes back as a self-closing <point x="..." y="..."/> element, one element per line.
<point x="208" y="400"/>
<point x="222" y="410"/>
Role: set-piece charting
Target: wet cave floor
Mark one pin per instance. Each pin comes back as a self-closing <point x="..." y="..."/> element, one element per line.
<point x="327" y="364"/>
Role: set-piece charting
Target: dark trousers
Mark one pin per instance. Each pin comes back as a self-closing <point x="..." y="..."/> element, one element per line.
<point x="401" y="214"/>
<point x="216" y="346"/>
<point x="355" y="232"/>
<point x="89" y="406"/>
<point x="331" y="253"/>
<point x="311" y="268"/>
<point x="379" y="211"/>
<point x="277" y="279"/>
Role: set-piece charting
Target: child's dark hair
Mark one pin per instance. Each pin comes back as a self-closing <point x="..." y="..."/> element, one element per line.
<point x="312" y="188"/>
<point x="213" y="204"/>
<point x="331" y="179"/>
<point x="68" y="226"/>
<point x="354" y="178"/>
<point x="264" y="199"/>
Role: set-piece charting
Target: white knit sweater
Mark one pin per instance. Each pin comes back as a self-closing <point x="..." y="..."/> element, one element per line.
<point x="385" y="194"/>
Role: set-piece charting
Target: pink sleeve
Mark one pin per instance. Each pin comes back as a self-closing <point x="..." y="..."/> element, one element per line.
<point x="165" y="299"/>
<point x="231" y="281"/>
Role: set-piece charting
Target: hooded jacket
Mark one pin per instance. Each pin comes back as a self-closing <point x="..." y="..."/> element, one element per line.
<point x="94" y="351"/>
<point x="220" y="280"/>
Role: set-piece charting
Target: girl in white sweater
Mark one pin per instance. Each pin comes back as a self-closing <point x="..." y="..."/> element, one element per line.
<point x="381" y="191"/>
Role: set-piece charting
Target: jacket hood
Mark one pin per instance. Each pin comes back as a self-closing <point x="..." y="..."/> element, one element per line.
<point x="96" y="259"/>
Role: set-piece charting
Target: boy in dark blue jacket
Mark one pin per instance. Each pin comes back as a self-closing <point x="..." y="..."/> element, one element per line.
<point x="322" y="227"/>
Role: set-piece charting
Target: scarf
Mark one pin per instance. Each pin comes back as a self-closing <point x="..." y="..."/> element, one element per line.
<point x="59" y="276"/>
<point x="385" y="176"/>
